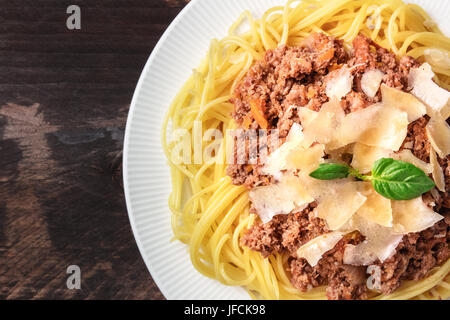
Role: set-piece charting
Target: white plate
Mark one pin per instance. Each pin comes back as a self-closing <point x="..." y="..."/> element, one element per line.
<point x="146" y="175"/>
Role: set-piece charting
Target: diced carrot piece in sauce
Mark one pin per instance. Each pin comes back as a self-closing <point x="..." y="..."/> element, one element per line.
<point x="327" y="55"/>
<point x="258" y="113"/>
<point x="247" y="122"/>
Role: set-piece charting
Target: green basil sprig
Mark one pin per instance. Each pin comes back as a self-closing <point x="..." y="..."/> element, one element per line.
<point x="331" y="171"/>
<point x="393" y="179"/>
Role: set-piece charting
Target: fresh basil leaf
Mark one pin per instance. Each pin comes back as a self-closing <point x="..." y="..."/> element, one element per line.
<point x="399" y="180"/>
<point x="331" y="171"/>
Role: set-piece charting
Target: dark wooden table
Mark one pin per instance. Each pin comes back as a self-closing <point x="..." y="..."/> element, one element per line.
<point x="64" y="99"/>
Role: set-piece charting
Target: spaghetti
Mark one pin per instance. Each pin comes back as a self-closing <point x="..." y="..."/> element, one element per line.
<point x="214" y="215"/>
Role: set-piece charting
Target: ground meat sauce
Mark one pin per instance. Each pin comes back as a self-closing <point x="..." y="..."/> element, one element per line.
<point x="289" y="76"/>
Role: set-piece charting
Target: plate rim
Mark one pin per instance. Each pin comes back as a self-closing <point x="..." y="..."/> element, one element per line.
<point x="126" y="140"/>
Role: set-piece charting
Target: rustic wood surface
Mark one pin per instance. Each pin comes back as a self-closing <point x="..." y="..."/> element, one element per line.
<point x="64" y="98"/>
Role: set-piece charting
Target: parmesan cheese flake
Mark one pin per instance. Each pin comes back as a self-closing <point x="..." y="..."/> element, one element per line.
<point x="339" y="201"/>
<point x="377" y="126"/>
<point x="437" y="57"/>
<point x="404" y="101"/>
<point x="413" y="216"/>
<point x="280" y="198"/>
<point x="365" y="156"/>
<point x="407" y="156"/>
<point x="313" y="250"/>
<point x="370" y="82"/>
<point x="438" y="175"/>
<point x="376" y="208"/>
<point x="380" y="242"/>
<point x="339" y="83"/>
<point x="424" y="88"/>
<point x="438" y="132"/>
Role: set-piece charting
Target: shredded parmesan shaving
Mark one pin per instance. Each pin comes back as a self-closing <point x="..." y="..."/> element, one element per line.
<point x="313" y="250"/>
<point x="306" y="116"/>
<point x="438" y="175"/>
<point x="305" y="159"/>
<point x="364" y="156"/>
<point x="380" y="242"/>
<point x="437" y="57"/>
<point x="359" y="255"/>
<point x="322" y="128"/>
<point x="294" y="154"/>
<point x="280" y="198"/>
<point x="438" y="132"/>
<point x="339" y="83"/>
<point x="404" y="101"/>
<point x="413" y="216"/>
<point x="376" y="208"/>
<point x="339" y="201"/>
<point x="276" y="162"/>
<point x="424" y="88"/>
<point x="407" y="156"/>
<point x="341" y="154"/>
<point x="370" y="82"/>
<point x="376" y="125"/>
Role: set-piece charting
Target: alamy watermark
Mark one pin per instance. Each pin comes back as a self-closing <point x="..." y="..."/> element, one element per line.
<point x="74" y="280"/>
<point x="73" y="22"/>
<point x="235" y="146"/>
<point x="374" y="280"/>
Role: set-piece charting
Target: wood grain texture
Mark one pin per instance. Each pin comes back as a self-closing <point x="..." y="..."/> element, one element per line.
<point x="64" y="99"/>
